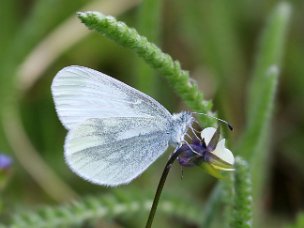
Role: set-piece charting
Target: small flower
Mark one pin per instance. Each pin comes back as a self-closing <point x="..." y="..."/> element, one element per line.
<point x="5" y="162"/>
<point x="210" y="153"/>
<point x="5" y="170"/>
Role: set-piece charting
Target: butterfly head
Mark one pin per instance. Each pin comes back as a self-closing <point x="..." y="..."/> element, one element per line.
<point x="180" y="125"/>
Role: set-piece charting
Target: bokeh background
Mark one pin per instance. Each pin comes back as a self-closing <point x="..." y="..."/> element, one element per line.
<point x="216" y="41"/>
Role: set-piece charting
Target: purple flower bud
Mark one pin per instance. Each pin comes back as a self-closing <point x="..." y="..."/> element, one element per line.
<point x="192" y="156"/>
<point x="5" y="162"/>
<point x="5" y="171"/>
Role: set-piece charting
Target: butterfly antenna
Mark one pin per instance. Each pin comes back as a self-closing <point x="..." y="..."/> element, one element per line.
<point x="220" y="120"/>
<point x="188" y="136"/>
<point x="198" y="123"/>
<point x="192" y="129"/>
<point x="196" y="130"/>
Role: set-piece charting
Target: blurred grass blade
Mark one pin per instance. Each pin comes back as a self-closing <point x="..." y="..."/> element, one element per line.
<point x="212" y="206"/>
<point x="299" y="223"/>
<point x="262" y="94"/>
<point x="149" y="25"/>
<point x="115" y="205"/>
<point x="149" y="19"/>
<point x="254" y="143"/>
<point x="9" y="25"/>
<point x="40" y="20"/>
<point x="270" y="53"/>
<point x="127" y="37"/>
<point x="257" y="132"/>
<point x="64" y="37"/>
<point x="31" y="161"/>
<point x="211" y="27"/>
<point x="37" y="25"/>
<point x="264" y="82"/>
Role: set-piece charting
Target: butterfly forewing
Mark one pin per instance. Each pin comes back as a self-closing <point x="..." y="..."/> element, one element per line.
<point x="81" y="93"/>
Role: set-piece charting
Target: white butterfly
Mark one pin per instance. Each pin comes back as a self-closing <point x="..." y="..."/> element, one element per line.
<point x="115" y="131"/>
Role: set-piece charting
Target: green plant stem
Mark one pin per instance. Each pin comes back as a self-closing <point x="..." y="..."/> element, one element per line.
<point x="242" y="200"/>
<point x="160" y="186"/>
<point x="114" y="205"/>
<point x="127" y="37"/>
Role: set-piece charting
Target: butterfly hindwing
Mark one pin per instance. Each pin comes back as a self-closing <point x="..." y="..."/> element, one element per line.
<point x="113" y="151"/>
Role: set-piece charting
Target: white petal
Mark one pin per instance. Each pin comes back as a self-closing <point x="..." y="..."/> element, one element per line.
<point x="223" y="153"/>
<point x="207" y="134"/>
<point x="221" y="145"/>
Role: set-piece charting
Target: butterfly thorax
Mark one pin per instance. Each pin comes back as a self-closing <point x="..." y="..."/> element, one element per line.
<point x="179" y="127"/>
